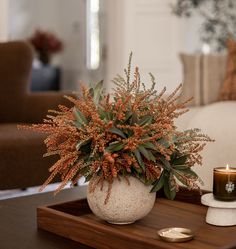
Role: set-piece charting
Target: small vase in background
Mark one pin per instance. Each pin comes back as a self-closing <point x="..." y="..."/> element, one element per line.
<point x="45" y="44"/>
<point x="44" y="57"/>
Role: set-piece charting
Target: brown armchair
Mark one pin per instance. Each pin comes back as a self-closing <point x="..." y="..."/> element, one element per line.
<point x="21" y="162"/>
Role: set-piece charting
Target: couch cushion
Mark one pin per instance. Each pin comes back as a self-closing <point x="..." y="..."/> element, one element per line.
<point x="203" y="77"/>
<point x="213" y="73"/>
<point x="192" y="80"/>
<point x="21" y="161"/>
<point x="217" y="120"/>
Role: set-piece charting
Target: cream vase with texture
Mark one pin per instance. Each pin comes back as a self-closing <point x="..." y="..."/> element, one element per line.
<point x="128" y="201"/>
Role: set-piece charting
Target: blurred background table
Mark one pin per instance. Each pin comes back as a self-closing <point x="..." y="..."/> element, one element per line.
<point x="18" y="223"/>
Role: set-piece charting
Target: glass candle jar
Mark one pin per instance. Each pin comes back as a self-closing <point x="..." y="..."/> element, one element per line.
<point x="224" y="183"/>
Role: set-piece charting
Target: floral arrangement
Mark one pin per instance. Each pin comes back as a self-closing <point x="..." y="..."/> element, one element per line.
<point x="45" y="44"/>
<point x="132" y="133"/>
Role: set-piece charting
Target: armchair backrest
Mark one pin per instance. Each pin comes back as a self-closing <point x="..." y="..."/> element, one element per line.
<point x="15" y="67"/>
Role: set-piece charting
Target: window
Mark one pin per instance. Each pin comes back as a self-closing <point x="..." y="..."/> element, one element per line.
<point x="93" y="41"/>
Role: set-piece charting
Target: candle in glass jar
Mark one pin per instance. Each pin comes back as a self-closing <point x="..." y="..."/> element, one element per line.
<point x="224" y="183"/>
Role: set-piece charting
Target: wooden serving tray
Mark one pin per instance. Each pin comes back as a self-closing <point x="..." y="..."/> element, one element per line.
<point x="75" y="221"/>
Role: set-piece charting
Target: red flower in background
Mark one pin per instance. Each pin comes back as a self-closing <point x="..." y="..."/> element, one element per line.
<point x="45" y="44"/>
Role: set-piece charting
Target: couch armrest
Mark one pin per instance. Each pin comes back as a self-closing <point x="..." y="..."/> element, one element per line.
<point x="36" y="105"/>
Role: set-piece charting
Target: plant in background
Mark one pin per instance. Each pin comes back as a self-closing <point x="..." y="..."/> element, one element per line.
<point x="45" y="44"/>
<point x="132" y="133"/>
<point x="219" y="19"/>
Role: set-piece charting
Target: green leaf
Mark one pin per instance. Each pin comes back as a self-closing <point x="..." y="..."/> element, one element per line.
<point x="134" y="119"/>
<point x="88" y="177"/>
<point x="128" y="115"/>
<point x="181" y="179"/>
<point x="81" y="143"/>
<point x="152" y="157"/>
<point x="180" y="160"/>
<point x="139" y="159"/>
<point x="102" y="113"/>
<point x="170" y="193"/>
<point x="84" y="170"/>
<point x="180" y="167"/>
<point x="78" y="124"/>
<point x="80" y="118"/>
<point x="148" y="182"/>
<point x="86" y="148"/>
<point x="109" y="116"/>
<point x="166" y="164"/>
<point x="186" y="173"/>
<point x="149" y="145"/>
<point x="173" y="156"/>
<point x="146" y="153"/>
<point x="129" y="133"/>
<point x="115" y="146"/>
<point x="145" y="120"/>
<point x="137" y="170"/>
<point x="158" y="184"/>
<point x="124" y="172"/>
<point x="163" y="142"/>
<point x="189" y="172"/>
<point x="97" y="92"/>
<point x="117" y="132"/>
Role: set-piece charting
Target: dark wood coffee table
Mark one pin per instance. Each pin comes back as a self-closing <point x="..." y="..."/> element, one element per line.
<point x="18" y="225"/>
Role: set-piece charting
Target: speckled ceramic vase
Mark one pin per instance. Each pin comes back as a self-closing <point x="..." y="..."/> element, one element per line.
<point x="126" y="204"/>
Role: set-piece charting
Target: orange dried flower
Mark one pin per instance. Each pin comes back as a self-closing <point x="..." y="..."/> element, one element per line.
<point x="133" y="134"/>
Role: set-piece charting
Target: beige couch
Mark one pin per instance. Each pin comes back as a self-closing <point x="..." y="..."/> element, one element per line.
<point x="218" y="120"/>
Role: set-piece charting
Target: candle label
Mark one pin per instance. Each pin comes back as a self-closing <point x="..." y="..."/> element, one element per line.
<point x="229" y="187"/>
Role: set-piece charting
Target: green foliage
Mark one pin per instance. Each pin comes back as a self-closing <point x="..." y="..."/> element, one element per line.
<point x="159" y="183"/>
<point x="80" y="118"/>
<point x="115" y="146"/>
<point x="97" y="92"/>
<point x="117" y="132"/>
<point x="131" y="133"/>
<point x="176" y="168"/>
<point x="139" y="159"/>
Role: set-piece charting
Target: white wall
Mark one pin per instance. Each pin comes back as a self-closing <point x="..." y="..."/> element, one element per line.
<point x="145" y="27"/>
<point x="65" y="20"/>
<point x="68" y="20"/>
<point x="154" y="34"/>
<point x="3" y="19"/>
<point x="25" y="16"/>
<point x="148" y="29"/>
